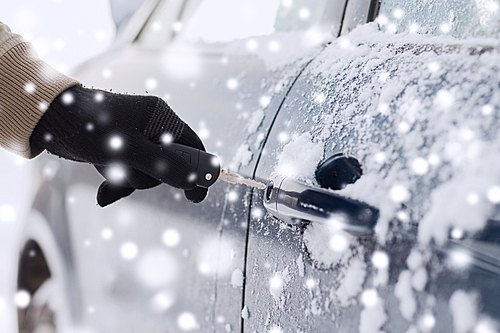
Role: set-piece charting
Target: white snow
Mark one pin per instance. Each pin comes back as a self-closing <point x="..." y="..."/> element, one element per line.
<point x="162" y="301"/>
<point x="463" y="310"/>
<point x="372" y="318"/>
<point x="352" y="282"/>
<point x="300" y="158"/>
<point x="300" y="265"/>
<point x="258" y="140"/>
<point x="414" y="260"/>
<point x="255" y="121"/>
<point x="245" y="313"/>
<point x="129" y="250"/>
<point x="419" y="279"/>
<point x="187" y="321"/>
<point x="403" y="291"/>
<point x="22" y="299"/>
<point x="317" y="238"/>
<point x="171" y="237"/>
<point x="426" y="322"/>
<point x="276" y="286"/>
<point x="432" y="126"/>
<point x="450" y="207"/>
<point x="242" y="157"/>
<point x="237" y="278"/>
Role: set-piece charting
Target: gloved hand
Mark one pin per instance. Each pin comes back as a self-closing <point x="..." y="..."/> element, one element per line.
<point x="122" y="136"/>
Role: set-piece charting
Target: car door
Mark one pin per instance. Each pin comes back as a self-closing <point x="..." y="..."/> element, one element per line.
<point x="409" y="109"/>
<point x="161" y="257"/>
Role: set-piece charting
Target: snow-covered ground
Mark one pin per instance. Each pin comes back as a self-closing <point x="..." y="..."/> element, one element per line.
<point x="65" y="33"/>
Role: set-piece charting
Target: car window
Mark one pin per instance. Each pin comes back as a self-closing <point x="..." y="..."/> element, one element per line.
<point x="226" y="20"/>
<point x="459" y="18"/>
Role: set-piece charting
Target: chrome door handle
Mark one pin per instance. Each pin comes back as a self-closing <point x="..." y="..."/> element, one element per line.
<point x="295" y="203"/>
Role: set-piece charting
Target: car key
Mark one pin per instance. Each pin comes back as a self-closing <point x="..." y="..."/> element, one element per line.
<point x="207" y="167"/>
<point x="235" y="178"/>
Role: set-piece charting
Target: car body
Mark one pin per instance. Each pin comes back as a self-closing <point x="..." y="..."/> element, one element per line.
<point x="408" y="103"/>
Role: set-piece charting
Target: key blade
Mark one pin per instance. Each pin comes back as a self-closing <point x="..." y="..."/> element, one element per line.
<point x="234" y="178"/>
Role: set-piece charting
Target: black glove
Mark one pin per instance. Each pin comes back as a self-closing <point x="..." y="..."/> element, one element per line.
<point x="122" y="136"/>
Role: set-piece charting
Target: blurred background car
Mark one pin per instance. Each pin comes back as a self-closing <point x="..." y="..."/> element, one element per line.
<point x="342" y="105"/>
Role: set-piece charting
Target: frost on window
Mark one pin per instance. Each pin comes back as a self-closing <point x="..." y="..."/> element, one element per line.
<point x="460" y="18"/>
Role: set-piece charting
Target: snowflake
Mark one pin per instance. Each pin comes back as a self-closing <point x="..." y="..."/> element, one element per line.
<point x="162" y="301"/>
<point x="30" y="87"/>
<point x="156" y="26"/>
<point x="252" y="45"/>
<point x="129" y="250"/>
<point x="380" y="260"/>
<point x="167" y="138"/>
<point x="460" y="259"/>
<point x="89" y="127"/>
<point x="151" y="83"/>
<point x="274" y="46"/>
<point x="106" y="233"/>
<point x="43" y="106"/>
<point x="192" y="177"/>
<point x="106" y="73"/>
<point x="115" y="174"/>
<point x="177" y="26"/>
<point x="420" y="166"/>
<point x="434" y="66"/>
<point x="68" y="98"/>
<point x="99" y="97"/>
<point x="398" y="13"/>
<point x="304" y="13"/>
<point x="22" y="299"/>
<point x="369" y="298"/>
<point x="414" y="28"/>
<point x="310" y="283"/>
<point x="457" y="233"/>
<point x="383" y="77"/>
<point x="187" y="321"/>
<point x="486" y="110"/>
<point x="445" y="28"/>
<point x="232" y="196"/>
<point x="171" y="238"/>
<point x="399" y="193"/>
<point x="494" y="194"/>
<point x="116" y="142"/>
<point x="232" y="84"/>
<point x="339" y="243"/>
<point x="264" y="101"/>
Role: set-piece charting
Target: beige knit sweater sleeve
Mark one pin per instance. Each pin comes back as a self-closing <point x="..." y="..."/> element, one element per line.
<point x="27" y="87"/>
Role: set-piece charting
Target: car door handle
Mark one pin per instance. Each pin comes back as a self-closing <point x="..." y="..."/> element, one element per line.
<point x="296" y="203"/>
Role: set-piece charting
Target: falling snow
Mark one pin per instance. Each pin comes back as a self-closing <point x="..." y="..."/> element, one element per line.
<point x="129" y="250"/>
<point x="22" y="299"/>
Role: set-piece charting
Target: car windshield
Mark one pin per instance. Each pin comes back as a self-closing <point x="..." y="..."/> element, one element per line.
<point x="459" y="18"/>
<point x="227" y="20"/>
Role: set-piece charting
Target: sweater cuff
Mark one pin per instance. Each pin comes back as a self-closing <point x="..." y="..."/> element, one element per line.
<point x="28" y="86"/>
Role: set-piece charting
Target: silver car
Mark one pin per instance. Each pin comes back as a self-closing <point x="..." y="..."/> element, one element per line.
<point x="374" y="129"/>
